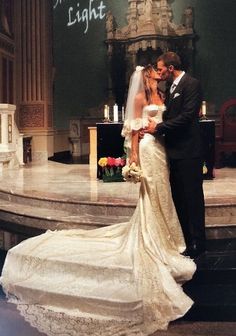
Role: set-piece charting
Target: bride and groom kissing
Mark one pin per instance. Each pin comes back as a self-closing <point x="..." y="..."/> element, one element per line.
<point x="126" y="278"/>
<point x="183" y="144"/>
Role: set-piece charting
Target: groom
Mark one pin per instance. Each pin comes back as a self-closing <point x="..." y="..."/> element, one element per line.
<point x="180" y="128"/>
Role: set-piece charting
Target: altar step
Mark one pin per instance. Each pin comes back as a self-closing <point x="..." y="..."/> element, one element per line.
<point x="213" y="287"/>
<point x="29" y="214"/>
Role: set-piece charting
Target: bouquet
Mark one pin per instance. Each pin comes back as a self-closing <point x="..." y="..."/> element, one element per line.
<point x="132" y="173"/>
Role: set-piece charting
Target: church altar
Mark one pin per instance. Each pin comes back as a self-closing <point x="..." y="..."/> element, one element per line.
<point x="106" y="140"/>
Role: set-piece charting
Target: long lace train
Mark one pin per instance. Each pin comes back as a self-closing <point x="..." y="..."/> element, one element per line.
<point x="119" y="280"/>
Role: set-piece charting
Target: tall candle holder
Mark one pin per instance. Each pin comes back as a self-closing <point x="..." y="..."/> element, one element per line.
<point x="106" y="118"/>
<point x="203" y="111"/>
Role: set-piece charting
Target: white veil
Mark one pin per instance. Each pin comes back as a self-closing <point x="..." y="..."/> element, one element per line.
<point x="135" y="86"/>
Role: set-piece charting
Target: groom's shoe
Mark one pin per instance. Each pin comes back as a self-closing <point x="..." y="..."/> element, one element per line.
<point x="194" y="249"/>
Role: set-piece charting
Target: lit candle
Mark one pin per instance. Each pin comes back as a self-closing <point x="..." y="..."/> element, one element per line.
<point x="204" y="108"/>
<point x="105" y="112"/>
<point x="115" y="113"/>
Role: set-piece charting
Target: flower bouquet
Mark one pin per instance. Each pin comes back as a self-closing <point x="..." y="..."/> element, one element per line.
<point x="112" y="168"/>
<point x="132" y="173"/>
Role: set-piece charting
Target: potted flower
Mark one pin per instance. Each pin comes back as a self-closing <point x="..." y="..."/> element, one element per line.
<point x="112" y="168"/>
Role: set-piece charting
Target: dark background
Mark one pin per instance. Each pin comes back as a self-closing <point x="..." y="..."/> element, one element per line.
<point x="80" y="59"/>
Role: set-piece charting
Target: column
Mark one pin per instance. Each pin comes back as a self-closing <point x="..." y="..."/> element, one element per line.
<point x="34" y="74"/>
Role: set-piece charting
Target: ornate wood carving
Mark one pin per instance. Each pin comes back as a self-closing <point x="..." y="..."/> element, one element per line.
<point x="150" y="31"/>
<point x="32" y="116"/>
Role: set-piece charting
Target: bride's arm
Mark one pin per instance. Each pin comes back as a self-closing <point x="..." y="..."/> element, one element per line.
<point x="134" y="155"/>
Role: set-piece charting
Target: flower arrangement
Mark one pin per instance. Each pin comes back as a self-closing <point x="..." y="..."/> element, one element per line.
<point x="112" y="168"/>
<point x="132" y="173"/>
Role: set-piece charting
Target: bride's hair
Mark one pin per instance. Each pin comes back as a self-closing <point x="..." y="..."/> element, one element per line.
<point x="147" y="74"/>
<point x="147" y="71"/>
<point x="139" y="83"/>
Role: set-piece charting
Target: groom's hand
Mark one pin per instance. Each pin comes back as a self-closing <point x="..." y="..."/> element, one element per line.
<point x="151" y="128"/>
<point x="141" y="134"/>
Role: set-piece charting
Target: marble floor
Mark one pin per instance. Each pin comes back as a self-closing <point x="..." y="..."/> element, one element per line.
<point x="72" y="196"/>
<point x="78" y="183"/>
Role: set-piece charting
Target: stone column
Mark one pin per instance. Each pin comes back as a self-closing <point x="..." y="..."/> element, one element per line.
<point x="34" y="74"/>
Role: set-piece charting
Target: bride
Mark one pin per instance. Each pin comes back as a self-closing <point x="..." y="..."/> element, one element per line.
<point x="119" y="280"/>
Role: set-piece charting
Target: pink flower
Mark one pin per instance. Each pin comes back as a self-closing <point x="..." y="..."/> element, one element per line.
<point x="118" y="162"/>
<point x="122" y="162"/>
<point x="111" y="161"/>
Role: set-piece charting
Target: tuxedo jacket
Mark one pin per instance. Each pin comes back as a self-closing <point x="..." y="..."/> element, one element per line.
<point x="180" y="125"/>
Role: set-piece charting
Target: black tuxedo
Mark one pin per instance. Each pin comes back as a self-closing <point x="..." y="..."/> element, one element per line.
<point x="181" y="131"/>
<point x="181" y="120"/>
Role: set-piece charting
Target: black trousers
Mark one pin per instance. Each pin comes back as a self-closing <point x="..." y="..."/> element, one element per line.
<point x="186" y="181"/>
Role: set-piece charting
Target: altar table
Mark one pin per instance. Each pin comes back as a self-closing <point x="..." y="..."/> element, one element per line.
<point x="106" y="140"/>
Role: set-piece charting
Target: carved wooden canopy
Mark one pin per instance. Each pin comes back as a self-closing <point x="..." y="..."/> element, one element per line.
<point x="149" y="32"/>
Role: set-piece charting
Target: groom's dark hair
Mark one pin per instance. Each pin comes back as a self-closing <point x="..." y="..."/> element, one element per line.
<point x="171" y="58"/>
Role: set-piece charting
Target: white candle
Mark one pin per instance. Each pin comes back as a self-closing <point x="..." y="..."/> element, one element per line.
<point x="123" y="113"/>
<point x="105" y="112"/>
<point x="204" y="108"/>
<point x="108" y="113"/>
<point x="115" y="113"/>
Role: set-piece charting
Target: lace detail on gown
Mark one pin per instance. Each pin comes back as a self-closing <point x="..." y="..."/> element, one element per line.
<point x="63" y="324"/>
<point x="119" y="280"/>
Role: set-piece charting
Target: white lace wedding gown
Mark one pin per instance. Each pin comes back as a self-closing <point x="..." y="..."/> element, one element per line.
<point x="119" y="280"/>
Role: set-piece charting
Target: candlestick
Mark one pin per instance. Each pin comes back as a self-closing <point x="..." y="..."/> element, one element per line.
<point x="115" y="113"/>
<point x="203" y="111"/>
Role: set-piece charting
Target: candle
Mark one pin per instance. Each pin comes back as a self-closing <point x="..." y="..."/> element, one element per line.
<point x="105" y="112"/>
<point x="115" y="113"/>
<point x="204" y="108"/>
<point x="123" y="113"/>
<point x="108" y="113"/>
